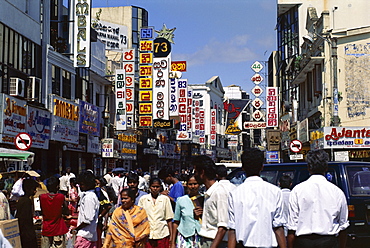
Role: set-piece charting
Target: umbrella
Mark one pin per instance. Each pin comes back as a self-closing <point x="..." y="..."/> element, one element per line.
<point x="118" y="169"/>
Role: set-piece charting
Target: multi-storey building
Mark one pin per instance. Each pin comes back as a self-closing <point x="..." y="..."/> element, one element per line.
<point x="322" y="75"/>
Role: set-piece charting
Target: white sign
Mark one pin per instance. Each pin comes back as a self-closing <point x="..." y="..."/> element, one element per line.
<point x="257" y="66"/>
<point x="38" y="126"/>
<point x="257" y="103"/>
<point x="254" y="125"/>
<point x="257" y="78"/>
<point x="120" y="90"/>
<point x="297" y="156"/>
<point x="23" y="141"/>
<point x="295" y="146"/>
<point x="114" y="36"/>
<point x="272" y="102"/>
<point x="213" y="132"/>
<point x="14" y="113"/>
<point x="107" y="148"/>
<point x="161" y="88"/>
<point x="346" y="137"/>
<point x="257" y="91"/>
<point x="341" y="156"/>
<point x="257" y="115"/>
<point x="174" y="105"/>
<point x="202" y="135"/>
<point x="82" y="24"/>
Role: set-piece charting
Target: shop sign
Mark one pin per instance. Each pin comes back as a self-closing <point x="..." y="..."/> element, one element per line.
<point x="80" y="147"/>
<point x="213" y="132"/>
<point x="272" y="156"/>
<point x="38" y="127"/>
<point x="232" y="137"/>
<point x="272" y="108"/>
<point x="161" y="88"/>
<point x="182" y="133"/>
<point x="65" y="120"/>
<point x="254" y="125"/>
<point x="129" y="66"/>
<point x="359" y="153"/>
<point x="302" y="130"/>
<point x="341" y="156"/>
<point x="223" y="152"/>
<point x="128" y="150"/>
<point x="232" y="143"/>
<point x="107" y="149"/>
<point x="346" y="137"/>
<point x="174" y="107"/>
<point x="120" y="96"/>
<point x="114" y="36"/>
<point x="202" y="132"/>
<point x="151" y="142"/>
<point x="89" y="118"/>
<point x="82" y="26"/>
<point x="189" y="112"/>
<point x="93" y="144"/>
<point x="13" y="115"/>
<point x="178" y="66"/>
<point x="163" y="124"/>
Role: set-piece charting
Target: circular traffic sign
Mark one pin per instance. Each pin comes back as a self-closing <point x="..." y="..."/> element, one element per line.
<point x="23" y="141"/>
<point x="295" y="146"/>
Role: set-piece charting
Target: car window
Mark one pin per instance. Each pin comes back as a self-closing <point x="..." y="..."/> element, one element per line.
<point x="359" y="180"/>
<point x="270" y="176"/>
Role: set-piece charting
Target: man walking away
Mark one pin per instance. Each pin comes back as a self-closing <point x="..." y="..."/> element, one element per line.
<point x="318" y="212"/>
<point x="255" y="208"/>
<point x="285" y="182"/>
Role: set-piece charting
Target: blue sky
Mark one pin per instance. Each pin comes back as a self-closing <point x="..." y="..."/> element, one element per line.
<point x="216" y="37"/>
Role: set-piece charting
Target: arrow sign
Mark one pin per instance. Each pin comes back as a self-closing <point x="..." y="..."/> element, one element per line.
<point x="23" y="141"/>
<point x="295" y="146"/>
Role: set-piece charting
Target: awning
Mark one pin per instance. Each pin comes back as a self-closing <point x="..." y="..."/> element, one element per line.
<point x="16" y="155"/>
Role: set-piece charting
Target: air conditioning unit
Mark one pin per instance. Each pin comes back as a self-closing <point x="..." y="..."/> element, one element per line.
<point x="16" y="87"/>
<point x="34" y="89"/>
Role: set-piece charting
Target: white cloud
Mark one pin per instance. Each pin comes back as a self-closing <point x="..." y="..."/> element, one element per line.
<point x="234" y="50"/>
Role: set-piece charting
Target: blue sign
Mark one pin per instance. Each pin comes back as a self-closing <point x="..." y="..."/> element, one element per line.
<point x="272" y="156"/>
<point x="89" y="119"/>
<point x="146" y="33"/>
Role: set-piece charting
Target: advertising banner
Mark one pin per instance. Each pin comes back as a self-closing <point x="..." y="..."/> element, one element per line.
<point x="161" y="88"/>
<point x="129" y="67"/>
<point x="13" y="115"/>
<point x="114" y="36"/>
<point x="346" y="137"/>
<point x="272" y="108"/>
<point x="89" y="122"/>
<point x="65" y="120"/>
<point x="82" y="25"/>
<point x="38" y="127"/>
<point x="120" y="94"/>
<point x="93" y="144"/>
<point x="182" y="133"/>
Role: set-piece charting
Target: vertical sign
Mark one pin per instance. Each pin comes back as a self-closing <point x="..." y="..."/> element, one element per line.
<point x="129" y="67"/>
<point x="213" y="133"/>
<point x="146" y="84"/>
<point x="202" y="136"/>
<point x="182" y="133"/>
<point x="161" y="88"/>
<point x="82" y="24"/>
<point x="272" y="106"/>
<point x="196" y="122"/>
<point x="189" y="112"/>
<point x="174" y="105"/>
<point x="120" y="92"/>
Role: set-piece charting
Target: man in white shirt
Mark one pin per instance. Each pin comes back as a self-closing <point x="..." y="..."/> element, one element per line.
<point x="255" y="208"/>
<point x="116" y="182"/>
<point x="215" y="217"/>
<point x="108" y="176"/>
<point x="63" y="183"/>
<point x="318" y="212"/>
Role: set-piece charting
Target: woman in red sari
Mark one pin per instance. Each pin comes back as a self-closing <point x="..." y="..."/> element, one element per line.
<point x="129" y="226"/>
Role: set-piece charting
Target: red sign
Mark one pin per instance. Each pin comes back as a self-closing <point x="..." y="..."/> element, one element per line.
<point x="295" y="146"/>
<point x="23" y="141"/>
<point x="178" y="66"/>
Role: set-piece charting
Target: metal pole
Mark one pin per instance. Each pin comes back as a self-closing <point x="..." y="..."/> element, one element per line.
<point x="334" y="56"/>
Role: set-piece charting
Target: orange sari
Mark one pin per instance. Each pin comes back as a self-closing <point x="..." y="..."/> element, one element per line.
<point x="125" y="226"/>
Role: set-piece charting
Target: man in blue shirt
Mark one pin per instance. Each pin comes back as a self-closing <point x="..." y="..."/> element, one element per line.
<point x="133" y="183"/>
<point x="167" y="175"/>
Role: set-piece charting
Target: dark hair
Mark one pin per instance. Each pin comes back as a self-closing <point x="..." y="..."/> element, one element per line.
<point x="132" y="177"/>
<point x="206" y="164"/>
<point x="88" y="179"/>
<point x="2" y="184"/>
<point x="317" y="161"/>
<point x="165" y="172"/>
<point x="29" y="185"/>
<point x="131" y="193"/>
<point x="221" y="170"/>
<point x="102" y="181"/>
<point x="252" y="161"/>
<point x="52" y="184"/>
<point x="153" y="180"/>
<point x="285" y="181"/>
<point x="73" y="180"/>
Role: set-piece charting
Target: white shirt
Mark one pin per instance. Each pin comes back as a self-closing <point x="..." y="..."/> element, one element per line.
<point x="116" y="183"/>
<point x="63" y="183"/>
<point x="215" y="211"/>
<point x="108" y="177"/>
<point x="142" y="183"/>
<point x="88" y="213"/>
<point x="286" y="194"/>
<point x="317" y="206"/>
<point x="255" y="208"/>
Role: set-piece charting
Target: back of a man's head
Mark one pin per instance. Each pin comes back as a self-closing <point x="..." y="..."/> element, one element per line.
<point x="206" y="164"/>
<point x="221" y="171"/>
<point x="317" y="161"/>
<point x="165" y="172"/>
<point x="252" y="161"/>
<point x="52" y="184"/>
<point x="285" y="182"/>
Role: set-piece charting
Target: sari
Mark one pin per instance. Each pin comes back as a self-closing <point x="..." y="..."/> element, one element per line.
<point x="125" y="226"/>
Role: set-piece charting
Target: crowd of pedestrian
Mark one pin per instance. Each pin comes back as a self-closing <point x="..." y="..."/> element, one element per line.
<point x="125" y="209"/>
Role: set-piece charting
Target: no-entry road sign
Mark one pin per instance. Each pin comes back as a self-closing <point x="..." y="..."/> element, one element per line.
<point x="23" y="141"/>
<point x="295" y="146"/>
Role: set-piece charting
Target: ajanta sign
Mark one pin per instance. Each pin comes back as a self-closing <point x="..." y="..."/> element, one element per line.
<point x="346" y="137"/>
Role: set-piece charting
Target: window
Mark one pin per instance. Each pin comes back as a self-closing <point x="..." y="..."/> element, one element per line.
<point x="359" y="180"/>
<point x="55" y="79"/>
<point x="66" y="77"/>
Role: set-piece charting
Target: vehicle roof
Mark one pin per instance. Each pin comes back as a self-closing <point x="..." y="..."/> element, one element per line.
<point x="330" y="163"/>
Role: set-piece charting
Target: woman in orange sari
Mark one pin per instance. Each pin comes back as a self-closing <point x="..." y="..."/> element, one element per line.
<point x="129" y="226"/>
